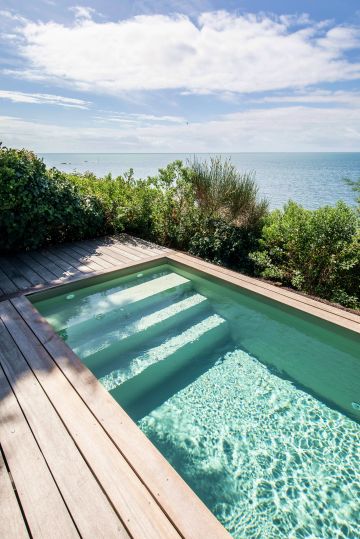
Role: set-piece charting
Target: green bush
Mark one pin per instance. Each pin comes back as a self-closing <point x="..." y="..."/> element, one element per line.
<point x="210" y="210"/>
<point x="224" y="244"/>
<point x="313" y="251"/>
<point x="222" y="192"/>
<point x="39" y="206"/>
<point x="230" y="215"/>
<point x="161" y="208"/>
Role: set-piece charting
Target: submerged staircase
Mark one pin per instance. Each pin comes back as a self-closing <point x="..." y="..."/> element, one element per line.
<point x="147" y="341"/>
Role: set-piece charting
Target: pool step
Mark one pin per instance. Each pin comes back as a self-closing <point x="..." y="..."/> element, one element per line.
<point x="142" y="394"/>
<point x="140" y="329"/>
<point x="153" y="385"/>
<point x="119" y="305"/>
<point x="182" y="347"/>
<point x="80" y="304"/>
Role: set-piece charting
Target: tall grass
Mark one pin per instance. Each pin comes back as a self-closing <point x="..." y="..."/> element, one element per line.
<point x="223" y="192"/>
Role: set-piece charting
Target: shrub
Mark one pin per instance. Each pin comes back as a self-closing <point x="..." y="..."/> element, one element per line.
<point x="208" y="209"/>
<point x="224" y="193"/>
<point x="313" y="251"/>
<point x="175" y="216"/>
<point x="224" y="244"/>
<point x="39" y="206"/>
<point x="161" y="208"/>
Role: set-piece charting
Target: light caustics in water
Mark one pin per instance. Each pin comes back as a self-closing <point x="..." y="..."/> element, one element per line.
<point x="216" y="379"/>
<point x="268" y="459"/>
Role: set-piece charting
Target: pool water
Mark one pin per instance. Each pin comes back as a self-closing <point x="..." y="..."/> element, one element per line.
<point x="253" y="403"/>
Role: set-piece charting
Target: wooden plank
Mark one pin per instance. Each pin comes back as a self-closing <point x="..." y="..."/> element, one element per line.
<point x="44" y="261"/>
<point x="107" y="253"/>
<point x="268" y="286"/>
<point x="95" y="257"/>
<point x="69" y="269"/>
<point x="129" y="251"/>
<point x="71" y="473"/>
<point x="37" y="491"/>
<point x="190" y="516"/>
<point x="299" y="302"/>
<point x="24" y="269"/>
<point x="139" y="243"/>
<point x="44" y="271"/>
<point x="80" y="248"/>
<point x="128" y="495"/>
<point x="12" y="525"/>
<point x="6" y="284"/>
<point x="115" y="246"/>
<point x="90" y="261"/>
<point x="70" y="258"/>
<point x="14" y="274"/>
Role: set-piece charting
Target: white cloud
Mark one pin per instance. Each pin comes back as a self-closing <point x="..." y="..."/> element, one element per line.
<point x="44" y="99"/>
<point x="82" y="12"/>
<point x="6" y="14"/>
<point x="221" y="53"/>
<point x="136" y="118"/>
<point x="348" y="98"/>
<point x="297" y="128"/>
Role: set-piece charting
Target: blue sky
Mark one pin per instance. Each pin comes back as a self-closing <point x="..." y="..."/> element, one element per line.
<point x="181" y="75"/>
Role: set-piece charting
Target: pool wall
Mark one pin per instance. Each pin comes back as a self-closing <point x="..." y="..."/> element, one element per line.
<point x="283" y="297"/>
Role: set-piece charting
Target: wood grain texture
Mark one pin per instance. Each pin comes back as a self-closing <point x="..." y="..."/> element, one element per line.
<point x="13" y="274"/>
<point x="70" y="471"/>
<point x="12" y="525"/>
<point x="130" y="498"/>
<point x="45" y="511"/>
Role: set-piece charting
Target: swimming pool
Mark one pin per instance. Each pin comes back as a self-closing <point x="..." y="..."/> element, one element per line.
<point x="254" y="403"/>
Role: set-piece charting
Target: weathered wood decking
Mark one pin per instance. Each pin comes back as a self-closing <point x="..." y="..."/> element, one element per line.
<point x="72" y="463"/>
<point x="67" y="262"/>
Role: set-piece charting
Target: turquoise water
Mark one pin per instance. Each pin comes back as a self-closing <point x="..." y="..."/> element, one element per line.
<point x="253" y="403"/>
<point x="311" y="179"/>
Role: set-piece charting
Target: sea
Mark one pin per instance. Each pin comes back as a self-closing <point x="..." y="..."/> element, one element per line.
<point x="311" y="179"/>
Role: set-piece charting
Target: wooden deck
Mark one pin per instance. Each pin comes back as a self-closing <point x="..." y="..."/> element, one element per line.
<point x="68" y="262"/>
<point x="72" y="462"/>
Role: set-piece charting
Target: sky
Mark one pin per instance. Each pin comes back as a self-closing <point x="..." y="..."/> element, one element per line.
<point x="180" y="75"/>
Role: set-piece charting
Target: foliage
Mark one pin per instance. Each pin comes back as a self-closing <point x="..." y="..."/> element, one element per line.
<point x="208" y="209"/>
<point x="316" y="251"/>
<point x="224" y="193"/>
<point x="225" y="244"/>
<point x="161" y="208"/>
<point x="38" y="206"/>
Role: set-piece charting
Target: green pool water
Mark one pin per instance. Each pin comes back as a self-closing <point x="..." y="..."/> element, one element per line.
<point x="256" y="405"/>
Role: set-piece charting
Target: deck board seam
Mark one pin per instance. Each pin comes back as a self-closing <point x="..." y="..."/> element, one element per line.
<point x="58" y="252"/>
<point x="29" y="425"/>
<point x="13" y="484"/>
<point x="8" y="275"/>
<point x="30" y="255"/>
<point x="77" y="248"/>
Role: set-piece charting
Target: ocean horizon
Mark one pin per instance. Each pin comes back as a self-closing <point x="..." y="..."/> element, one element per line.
<point x="312" y="179"/>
